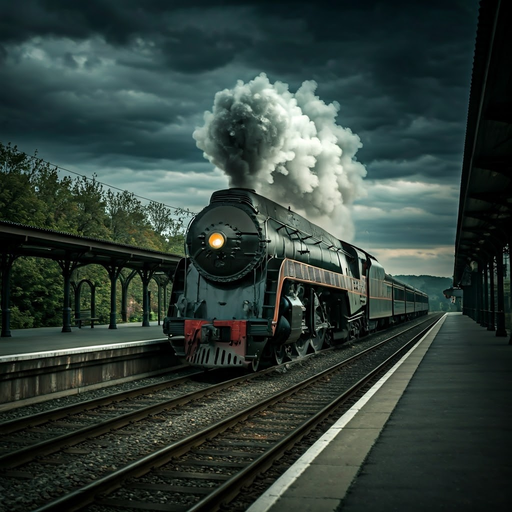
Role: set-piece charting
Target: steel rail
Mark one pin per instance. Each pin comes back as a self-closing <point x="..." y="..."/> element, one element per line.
<point x="31" y="452"/>
<point x="8" y="427"/>
<point x="11" y="426"/>
<point x="231" y="488"/>
<point x="86" y="495"/>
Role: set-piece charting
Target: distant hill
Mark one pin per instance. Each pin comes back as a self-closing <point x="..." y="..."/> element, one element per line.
<point x="433" y="286"/>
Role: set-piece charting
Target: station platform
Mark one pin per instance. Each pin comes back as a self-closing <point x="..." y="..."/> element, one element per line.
<point x="33" y="342"/>
<point x="434" y="434"/>
<point x="46" y="363"/>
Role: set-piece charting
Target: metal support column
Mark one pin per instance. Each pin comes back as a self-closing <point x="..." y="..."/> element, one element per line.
<point x="162" y="280"/>
<point x="146" y="275"/>
<point x="67" y="270"/>
<point x="479" y="296"/>
<point x="77" y="288"/>
<point x="474" y="296"/>
<point x="159" y="302"/>
<point x="492" y="308"/>
<point x="484" y="321"/>
<point x="68" y="265"/>
<point x="472" y="306"/>
<point x="125" y="282"/>
<point x="510" y="281"/>
<point x="500" y="314"/>
<point x="114" y="269"/>
<point x="113" y="300"/>
<point x="7" y="262"/>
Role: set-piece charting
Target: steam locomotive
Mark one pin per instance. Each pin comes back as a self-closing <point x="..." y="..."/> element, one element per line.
<point x="261" y="284"/>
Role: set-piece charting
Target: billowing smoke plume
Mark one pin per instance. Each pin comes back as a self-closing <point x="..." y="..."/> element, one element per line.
<point x="287" y="147"/>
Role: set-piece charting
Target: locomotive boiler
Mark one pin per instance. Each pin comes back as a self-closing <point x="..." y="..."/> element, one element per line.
<point x="261" y="284"/>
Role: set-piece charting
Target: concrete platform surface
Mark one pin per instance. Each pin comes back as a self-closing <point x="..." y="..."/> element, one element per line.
<point x="52" y="339"/>
<point x="42" y="364"/>
<point x="435" y="434"/>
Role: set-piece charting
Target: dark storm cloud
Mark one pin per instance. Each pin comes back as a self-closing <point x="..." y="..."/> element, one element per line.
<point x="116" y="21"/>
<point x="102" y="107"/>
<point x="427" y="167"/>
<point x="435" y="144"/>
<point x="418" y="233"/>
<point x="192" y="51"/>
<point x="3" y="54"/>
<point x="396" y="68"/>
<point x="119" y="87"/>
<point x="383" y="65"/>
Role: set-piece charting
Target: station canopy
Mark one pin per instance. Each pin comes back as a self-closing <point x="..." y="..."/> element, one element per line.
<point x="485" y="208"/>
<point x="22" y="240"/>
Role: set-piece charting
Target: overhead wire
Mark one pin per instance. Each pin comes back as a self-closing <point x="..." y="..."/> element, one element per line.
<point x="185" y="211"/>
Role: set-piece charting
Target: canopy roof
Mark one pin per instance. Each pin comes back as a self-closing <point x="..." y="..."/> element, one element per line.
<point x="22" y="240"/>
<point x="484" y="222"/>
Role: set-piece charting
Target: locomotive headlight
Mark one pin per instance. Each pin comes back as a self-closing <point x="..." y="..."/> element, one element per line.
<point x="216" y="240"/>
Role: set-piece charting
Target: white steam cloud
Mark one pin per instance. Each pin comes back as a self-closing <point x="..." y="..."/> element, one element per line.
<point x="288" y="148"/>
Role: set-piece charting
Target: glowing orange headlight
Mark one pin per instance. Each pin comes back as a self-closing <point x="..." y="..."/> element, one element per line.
<point x="216" y="240"/>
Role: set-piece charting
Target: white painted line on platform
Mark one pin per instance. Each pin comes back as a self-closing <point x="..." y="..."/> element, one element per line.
<point x="276" y="490"/>
<point x="77" y="350"/>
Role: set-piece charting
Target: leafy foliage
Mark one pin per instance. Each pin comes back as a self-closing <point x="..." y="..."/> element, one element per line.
<point x="91" y="204"/>
<point x="19" y="201"/>
<point x="33" y="193"/>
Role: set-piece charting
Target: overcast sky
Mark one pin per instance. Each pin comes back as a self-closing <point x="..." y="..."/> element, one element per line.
<point x="118" y="88"/>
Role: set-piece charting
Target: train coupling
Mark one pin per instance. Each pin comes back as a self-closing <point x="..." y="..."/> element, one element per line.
<point x="231" y="332"/>
<point x="209" y="333"/>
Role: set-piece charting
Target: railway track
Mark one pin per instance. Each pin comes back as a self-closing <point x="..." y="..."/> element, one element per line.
<point x="223" y="453"/>
<point x="95" y="417"/>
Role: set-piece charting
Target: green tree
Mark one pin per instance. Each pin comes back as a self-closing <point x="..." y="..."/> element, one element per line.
<point x="19" y="201"/>
<point x="164" y="221"/>
<point x="32" y="193"/>
<point x="90" y="203"/>
<point x="128" y="221"/>
<point x="169" y="225"/>
<point x="60" y="212"/>
<point x="36" y="293"/>
<point x="176" y="244"/>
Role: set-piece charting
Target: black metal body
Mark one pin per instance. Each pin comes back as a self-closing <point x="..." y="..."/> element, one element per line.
<point x="277" y="283"/>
